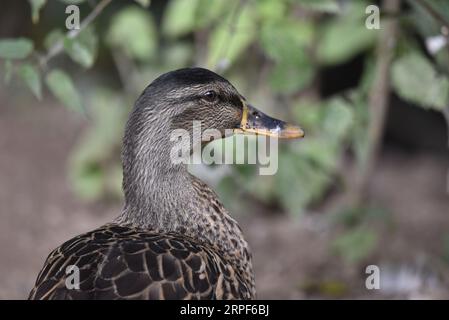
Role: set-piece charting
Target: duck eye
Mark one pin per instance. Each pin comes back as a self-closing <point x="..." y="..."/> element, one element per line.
<point x="210" y="96"/>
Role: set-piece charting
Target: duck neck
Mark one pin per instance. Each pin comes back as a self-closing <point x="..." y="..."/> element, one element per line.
<point x="155" y="188"/>
<point x="162" y="195"/>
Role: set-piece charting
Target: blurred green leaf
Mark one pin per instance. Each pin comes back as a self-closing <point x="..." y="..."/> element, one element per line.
<point x="208" y="11"/>
<point x="185" y="16"/>
<point x="442" y="61"/>
<point x="61" y="85"/>
<point x="30" y="75"/>
<point x="83" y="48"/>
<point x="319" y="152"/>
<point x="286" y="39"/>
<point x="345" y="36"/>
<point x="299" y="182"/>
<point x="53" y="37"/>
<point x="132" y="30"/>
<point x="179" y="18"/>
<point x="231" y="37"/>
<point x="308" y="114"/>
<point x="286" y="79"/>
<point x="268" y="10"/>
<point x="287" y="181"/>
<point x="356" y="244"/>
<point x="286" y="43"/>
<point x="36" y="6"/>
<point x="18" y="48"/>
<point x="415" y="79"/>
<point x="338" y="119"/>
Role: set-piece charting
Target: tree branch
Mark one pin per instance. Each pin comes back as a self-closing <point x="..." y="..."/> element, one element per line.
<point x="58" y="47"/>
<point x="378" y="100"/>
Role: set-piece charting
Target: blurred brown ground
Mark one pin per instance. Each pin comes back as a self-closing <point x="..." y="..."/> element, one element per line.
<point x="38" y="212"/>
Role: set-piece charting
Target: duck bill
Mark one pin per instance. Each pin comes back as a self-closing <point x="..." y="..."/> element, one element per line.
<point x="256" y="122"/>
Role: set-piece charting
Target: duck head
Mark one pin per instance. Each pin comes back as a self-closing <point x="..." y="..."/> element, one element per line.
<point x="180" y="97"/>
<point x="174" y="101"/>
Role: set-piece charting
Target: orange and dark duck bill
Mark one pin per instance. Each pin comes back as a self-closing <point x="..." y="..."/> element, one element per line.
<point x="256" y="122"/>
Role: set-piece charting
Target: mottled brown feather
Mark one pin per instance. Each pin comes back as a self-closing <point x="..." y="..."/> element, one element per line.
<point x="119" y="262"/>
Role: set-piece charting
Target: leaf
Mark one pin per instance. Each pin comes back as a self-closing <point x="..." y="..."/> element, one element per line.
<point x="345" y="36"/>
<point x="338" y="119"/>
<point x="18" y="48"/>
<point x="82" y="49"/>
<point x="287" y="79"/>
<point x="231" y="37"/>
<point x="342" y="41"/>
<point x="30" y="75"/>
<point x="286" y="43"/>
<point x="61" y="85"/>
<point x="36" y="6"/>
<point x="208" y="11"/>
<point x="133" y="30"/>
<point x="320" y="153"/>
<point x="53" y="37"/>
<point x="415" y="79"/>
<point x="299" y="181"/>
<point x="269" y="10"/>
<point x="308" y="114"/>
<point x="283" y="40"/>
<point x="179" y="18"/>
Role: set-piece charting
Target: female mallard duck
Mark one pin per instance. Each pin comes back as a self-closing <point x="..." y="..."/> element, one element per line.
<point x="173" y="239"/>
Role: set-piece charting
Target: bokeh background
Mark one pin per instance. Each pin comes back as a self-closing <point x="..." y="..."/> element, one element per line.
<point x="368" y="185"/>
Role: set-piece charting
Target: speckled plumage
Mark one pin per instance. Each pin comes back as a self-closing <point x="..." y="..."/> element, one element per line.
<point x="173" y="239"/>
<point x="118" y="262"/>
